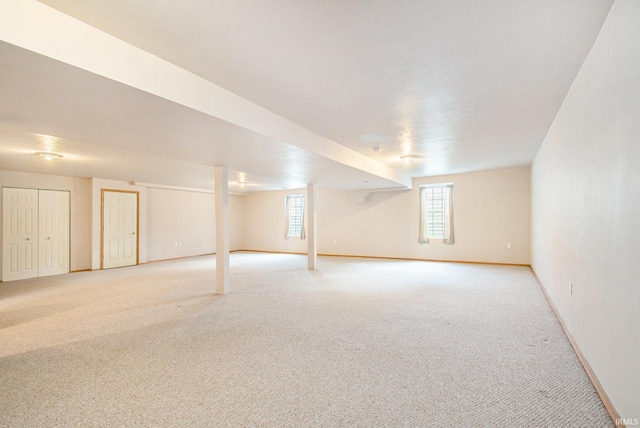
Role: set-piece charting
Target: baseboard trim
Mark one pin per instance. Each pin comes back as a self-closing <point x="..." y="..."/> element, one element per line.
<point x="425" y="260"/>
<point x="177" y="258"/>
<point x="269" y="251"/>
<point x="187" y="257"/>
<point x="613" y="413"/>
<point x="321" y="254"/>
<point x="389" y="258"/>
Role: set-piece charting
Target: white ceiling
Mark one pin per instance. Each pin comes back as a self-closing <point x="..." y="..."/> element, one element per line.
<point x="109" y="130"/>
<point x="468" y="85"/>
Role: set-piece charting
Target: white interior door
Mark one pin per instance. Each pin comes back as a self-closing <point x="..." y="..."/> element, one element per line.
<point x="19" y="233"/>
<point x="120" y="229"/>
<point x="53" y="231"/>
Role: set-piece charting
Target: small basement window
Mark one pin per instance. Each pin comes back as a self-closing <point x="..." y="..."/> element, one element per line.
<point x="436" y="213"/>
<point x="294" y="216"/>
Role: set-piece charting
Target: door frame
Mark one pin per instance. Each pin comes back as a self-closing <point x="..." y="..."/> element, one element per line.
<point x="102" y="223"/>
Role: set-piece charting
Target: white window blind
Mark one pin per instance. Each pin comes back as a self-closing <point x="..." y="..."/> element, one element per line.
<point x="436" y="213"/>
<point x="294" y="216"/>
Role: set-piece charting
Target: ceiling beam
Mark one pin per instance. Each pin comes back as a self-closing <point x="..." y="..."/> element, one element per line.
<point x="39" y="28"/>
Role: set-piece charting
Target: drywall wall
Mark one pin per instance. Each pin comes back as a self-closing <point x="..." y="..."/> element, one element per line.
<point x="586" y="209"/>
<point x="80" y="225"/>
<point x="492" y="208"/>
<point x="182" y="223"/>
<point x="236" y="227"/>
<point x="179" y="224"/>
<point x="165" y="217"/>
<point x="263" y="222"/>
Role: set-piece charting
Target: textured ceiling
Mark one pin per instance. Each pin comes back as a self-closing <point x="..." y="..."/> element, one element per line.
<point x="468" y="85"/>
<point x="109" y="130"/>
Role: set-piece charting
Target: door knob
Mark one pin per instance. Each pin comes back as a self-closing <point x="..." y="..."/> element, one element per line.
<point x="27" y="239"/>
<point x="133" y="233"/>
<point x="48" y="237"/>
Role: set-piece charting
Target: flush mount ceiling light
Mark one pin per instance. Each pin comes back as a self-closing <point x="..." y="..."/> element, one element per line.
<point x="49" y="156"/>
<point x="409" y="158"/>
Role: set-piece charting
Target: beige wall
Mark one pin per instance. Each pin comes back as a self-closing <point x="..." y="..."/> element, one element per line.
<point x="166" y="217"/>
<point x="80" y="190"/>
<point x="586" y="208"/>
<point x="492" y="208"/>
<point x="169" y="216"/>
<point x="187" y="218"/>
<point x="263" y="222"/>
<point x="180" y="223"/>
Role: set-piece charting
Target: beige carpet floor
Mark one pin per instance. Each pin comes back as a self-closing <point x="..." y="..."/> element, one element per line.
<point x="358" y="343"/>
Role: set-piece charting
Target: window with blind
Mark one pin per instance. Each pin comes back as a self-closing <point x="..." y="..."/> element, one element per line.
<point x="294" y="213"/>
<point x="436" y="213"/>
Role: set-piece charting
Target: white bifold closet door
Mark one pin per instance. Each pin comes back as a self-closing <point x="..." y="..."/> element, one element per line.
<point x="35" y="233"/>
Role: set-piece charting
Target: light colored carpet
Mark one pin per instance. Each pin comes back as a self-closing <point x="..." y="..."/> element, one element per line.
<point x="358" y="343"/>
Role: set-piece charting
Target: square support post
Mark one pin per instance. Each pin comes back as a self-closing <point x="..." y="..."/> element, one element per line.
<point x="223" y="283"/>
<point x="312" y="251"/>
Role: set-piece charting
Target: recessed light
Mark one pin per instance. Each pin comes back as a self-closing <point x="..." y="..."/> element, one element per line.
<point x="376" y="149"/>
<point x="367" y="181"/>
<point x="49" y="156"/>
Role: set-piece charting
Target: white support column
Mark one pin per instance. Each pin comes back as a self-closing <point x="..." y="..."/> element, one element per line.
<point x="312" y="252"/>
<point x="222" y="230"/>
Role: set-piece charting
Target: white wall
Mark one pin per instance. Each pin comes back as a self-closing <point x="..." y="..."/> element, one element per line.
<point x="586" y="208"/>
<point x="236" y="227"/>
<point x="263" y="222"/>
<point x="492" y="208"/>
<point x="187" y="218"/>
<point x="80" y="225"/>
<point x="183" y="218"/>
<point x="165" y="216"/>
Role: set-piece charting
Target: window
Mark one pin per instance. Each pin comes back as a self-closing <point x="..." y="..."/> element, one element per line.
<point x="294" y="216"/>
<point x="436" y="213"/>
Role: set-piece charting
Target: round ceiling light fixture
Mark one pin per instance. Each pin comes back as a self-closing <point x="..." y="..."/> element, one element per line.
<point x="409" y="158"/>
<point x="49" y="156"/>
